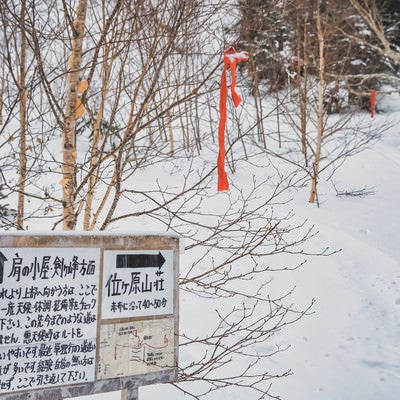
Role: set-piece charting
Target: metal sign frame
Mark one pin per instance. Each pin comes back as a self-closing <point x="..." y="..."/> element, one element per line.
<point x="137" y="278"/>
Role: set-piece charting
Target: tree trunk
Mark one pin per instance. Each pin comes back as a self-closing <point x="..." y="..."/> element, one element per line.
<point x="94" y="159"/>
<point x="69" y="145"/>
<point x="304" y="94"/>
<point x="22" y="121"/>
<point x="320" y="109"/>
<point x="301" y="81"/>
<point x="2" y="94"/>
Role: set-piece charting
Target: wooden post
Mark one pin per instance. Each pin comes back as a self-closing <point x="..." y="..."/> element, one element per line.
<point x="129" y="394"/>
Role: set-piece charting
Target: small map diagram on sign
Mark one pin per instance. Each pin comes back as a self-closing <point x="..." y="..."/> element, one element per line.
<point x="134" y="348"/>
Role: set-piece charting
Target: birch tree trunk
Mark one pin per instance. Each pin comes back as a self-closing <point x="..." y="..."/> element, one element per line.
<point x="22" y="121"/>
<point x="303" y="95"/>
<point x="94" y="159"/>
<point x="69" y="145"/>
<point x="320" y="107"/>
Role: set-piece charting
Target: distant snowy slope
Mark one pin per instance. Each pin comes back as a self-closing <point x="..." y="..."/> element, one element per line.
<point x="350" y="348"/>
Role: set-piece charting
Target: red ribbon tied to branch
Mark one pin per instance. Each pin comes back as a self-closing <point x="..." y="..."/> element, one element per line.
<point x="231" y="58"/>
<point x="372" y="99"/>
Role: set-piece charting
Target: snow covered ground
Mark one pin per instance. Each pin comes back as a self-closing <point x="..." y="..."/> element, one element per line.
<point x="350" y="347"/>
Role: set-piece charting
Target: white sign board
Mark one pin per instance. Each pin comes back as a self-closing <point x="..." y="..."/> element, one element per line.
<point x="48" y="317"/>
<point x="137" y="283"/>
<point x="87" y="311"/>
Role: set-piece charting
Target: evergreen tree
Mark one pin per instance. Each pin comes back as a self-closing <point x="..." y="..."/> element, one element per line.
<point x="391" y="19"/>
<point x="277" y="32"/>
<point x="264" y="33"/>
<point x="390" y="14"/>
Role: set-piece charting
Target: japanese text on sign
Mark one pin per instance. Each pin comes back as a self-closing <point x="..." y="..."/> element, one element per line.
<point x="137" y="283"/>
<point x="48" y="323"/>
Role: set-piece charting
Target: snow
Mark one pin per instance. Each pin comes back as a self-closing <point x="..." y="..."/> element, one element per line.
<point x="390" y="101"/>
<point x="241" y="56"/>
<point x="349" y="347"/>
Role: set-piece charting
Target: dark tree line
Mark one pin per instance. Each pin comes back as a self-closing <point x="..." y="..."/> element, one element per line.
<point x="281" y="37"/>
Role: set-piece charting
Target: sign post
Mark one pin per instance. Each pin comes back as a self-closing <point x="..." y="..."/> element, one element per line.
<point x="86" y="313"/>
